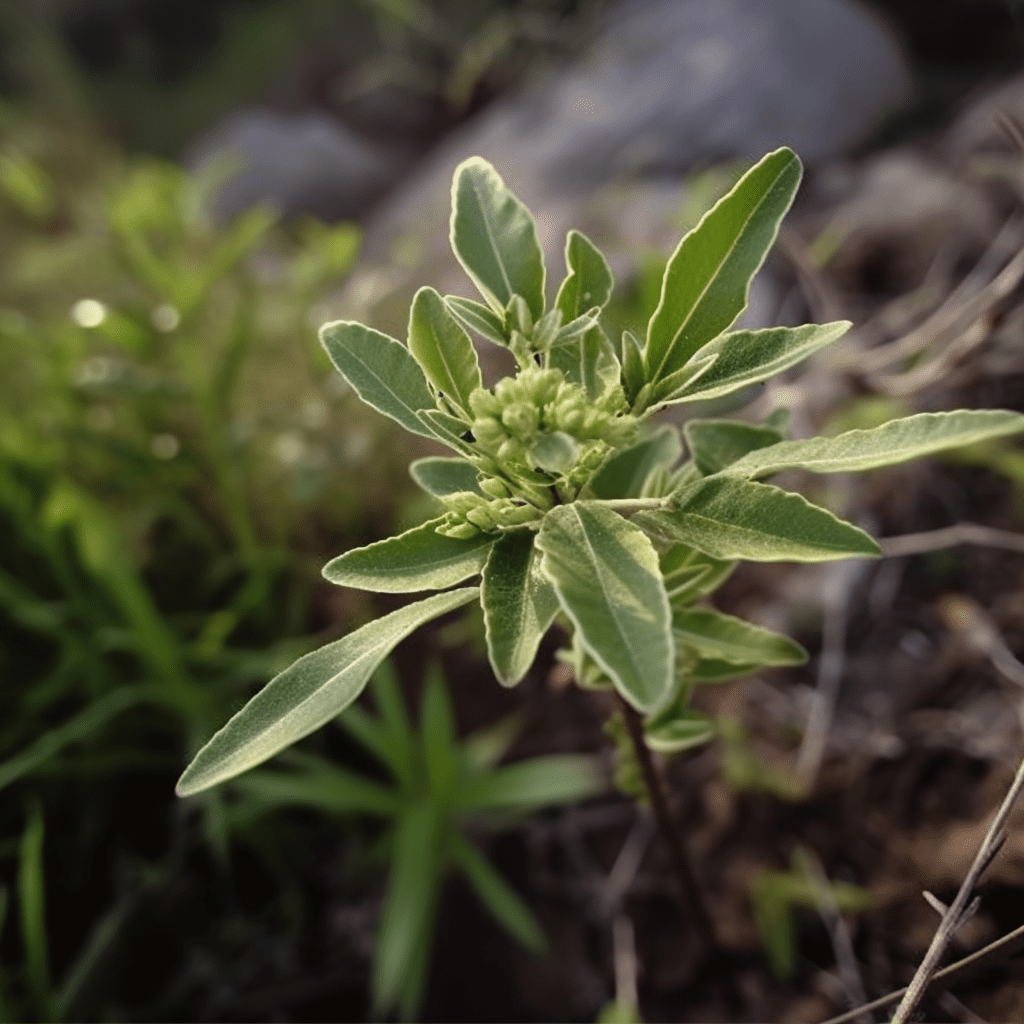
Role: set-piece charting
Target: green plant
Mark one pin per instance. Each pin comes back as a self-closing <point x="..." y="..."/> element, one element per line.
<point x="437" y="785"/>
<point x="566" y="498"/>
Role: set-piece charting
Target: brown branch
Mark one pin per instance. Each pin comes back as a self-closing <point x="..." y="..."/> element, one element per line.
<point x="667" y="825"/>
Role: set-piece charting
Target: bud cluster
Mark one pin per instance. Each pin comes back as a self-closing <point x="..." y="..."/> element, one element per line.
<point x="470" y="513"/>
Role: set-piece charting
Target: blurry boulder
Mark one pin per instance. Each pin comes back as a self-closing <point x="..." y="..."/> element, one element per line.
<point x="299" y="164"/>
<point x="668" y="86"/>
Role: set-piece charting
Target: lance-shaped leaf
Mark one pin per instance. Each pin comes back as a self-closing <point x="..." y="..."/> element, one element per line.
<point x="730" y="518"/>
<point x="495" y="239"/>
<point x="309" y="694"/>
<point x="708" y="277"/>
<point x="715" y="444"/>
<point x="443" y="348"/>
<point x="634" y="376"/>
<point x="714" y="635"/>
<point x="749" y="357"/>
<point x="438" y="475"/>
<point x="447" y="429"/>
<point x="606" y="575"/>
<point x="478" y="317"/>
<point x="599" y="364"/>
<point x="519" y="606"/>
<point x="623" y="473"/>
<point x="381" y="371"/>
<point x="589" y="281"/>
<point x="896" y="441"/>
<point x="709" y="671"/>
<point x="419" y="559"/>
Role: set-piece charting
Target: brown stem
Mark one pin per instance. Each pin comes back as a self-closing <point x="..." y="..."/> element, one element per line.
<point x="668" y="826"/>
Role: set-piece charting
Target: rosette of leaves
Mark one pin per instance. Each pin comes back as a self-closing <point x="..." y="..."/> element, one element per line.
<point x="560" y="493"/>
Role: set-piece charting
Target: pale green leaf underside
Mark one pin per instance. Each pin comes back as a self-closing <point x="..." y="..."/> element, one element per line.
<point x="690" y="574"/>
<point x="749" y="357"/>
<point x="519" y="606"/>
<point x="478" y="317"/>
<point x="308" y="694"/>
<point x="438" y="475"/>
<point x="729" y="518"/>
<point x="589" y="280"/>
<point x="715" y="635"/>
<point x="896" y="441"/>
<point x="419" y="559"/>
<point x="443" y="348"/>
<point x="381" y="371"/>
<point x="606" y="575"/>
<point x="678" y="732"/>
<point x="495" y="239"/>
<point x="708" y="276"/>
<point x="623" y="473"/>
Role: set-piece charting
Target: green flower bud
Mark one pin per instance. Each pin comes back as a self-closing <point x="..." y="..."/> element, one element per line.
<point x="482" y="517"/>
<point x="460" y="531"/>
<point x="494" y="488"/>
<point x="483" y="403"/>
<point x="521" y="419"/>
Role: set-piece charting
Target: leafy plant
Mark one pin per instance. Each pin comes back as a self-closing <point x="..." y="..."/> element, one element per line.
<point x="562" y="495"/>
<point x="436" y="784"/>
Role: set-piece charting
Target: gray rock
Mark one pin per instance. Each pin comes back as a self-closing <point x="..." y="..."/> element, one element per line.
<point x="668" y="86"/>
<point x="302" y="164"/>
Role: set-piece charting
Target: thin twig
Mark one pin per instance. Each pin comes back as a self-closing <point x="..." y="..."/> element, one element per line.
<point x="624" y="958"/>
<point x="994" y="953"/>
<point x="951" y="536"/>
<point x="954" y="917"/>
<point x="667" y="825"/>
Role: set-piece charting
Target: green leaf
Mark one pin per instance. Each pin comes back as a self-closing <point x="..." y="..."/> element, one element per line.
<point x="589" y="281"/>
<point x="896" y="441"/>
<point x="381" y="371"/>
<point x="329" y="789"/>
<point x="439" y="476"/>
<point x="32" y="904"/>
<point x="730" y="518"/>
<point x="448" y="430"/>
<point x="669" y="390"/>
<point x="529" y="785"/>
<point x="443" y="348"/>
<point x="634" y="376"/>
<point x="519" y="606"/>
<point x="715" y="444"/>
<point x="479" y="318"/>
<point x="675" y="730"/>
<point x="689" y="574"/>
<point x="398" y="739"/>
<point x="419" y="559"/>
<point x="308" y="694"/>
<point x="556" y="452"/>
<point x="727" y="638"/>
<point x="599" y="364"/>
<point x="708" y="671"/>
<point x="441" y="751"/>
<point x="623" y="473"/>
<point x="497" y="895"/>
<point x="495" y="239"/>
<point x="573" y="332"/>
<point x="708" y="277"/>
<point x="606" y="575"/>
<point x="749" y="357"/>
<point x="407" y="917"/>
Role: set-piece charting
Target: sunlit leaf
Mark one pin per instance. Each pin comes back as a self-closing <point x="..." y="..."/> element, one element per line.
<point x="439" y="475"/>
<point x="479" y="318"/>
<point x="419" y="559"/>
<point x="708" y="276"/>
<point x="605" y="572"/>
<point x="308" y="694"/>
<point x="589" y="280"/>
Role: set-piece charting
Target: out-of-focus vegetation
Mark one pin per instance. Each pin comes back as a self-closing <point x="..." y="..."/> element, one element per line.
<point x="171" y="455"/>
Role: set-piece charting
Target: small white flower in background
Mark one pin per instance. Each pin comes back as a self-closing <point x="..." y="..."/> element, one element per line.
<point x="165" y="318"/>
<point x="164" y="446"/>
<point x="289" y="447"/>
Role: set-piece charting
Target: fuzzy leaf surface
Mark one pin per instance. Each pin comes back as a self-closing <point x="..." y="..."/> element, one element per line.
<point x="589" y="281"/>
<point x="708" y="277"/>
<point x="419" y="559"/>
<point x="715" y="635"/>
<point x="605" y="572"/>
<point x="478" y="317"/>
<point x="308" y="694"/>
<point x="519" y="606"/>
<point x="892" y="442"/>
<point x="749" y="357"/>
<point x="381" y="371"/>
<point x="494" y="237"/>
<point x="689" y="574"/>
<point x="443" y="348"/>
<point x="730" y="518"/>
<point x="438" y="475"/>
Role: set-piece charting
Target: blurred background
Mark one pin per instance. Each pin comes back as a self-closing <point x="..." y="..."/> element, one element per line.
<point x="188" y="189"/>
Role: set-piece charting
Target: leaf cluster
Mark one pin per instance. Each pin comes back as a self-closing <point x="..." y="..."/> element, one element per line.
<point x="563" y="495"/>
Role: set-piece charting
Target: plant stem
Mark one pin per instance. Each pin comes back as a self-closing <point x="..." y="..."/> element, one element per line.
<point x="959" y="911"/>
<point x="668" y="826"/>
